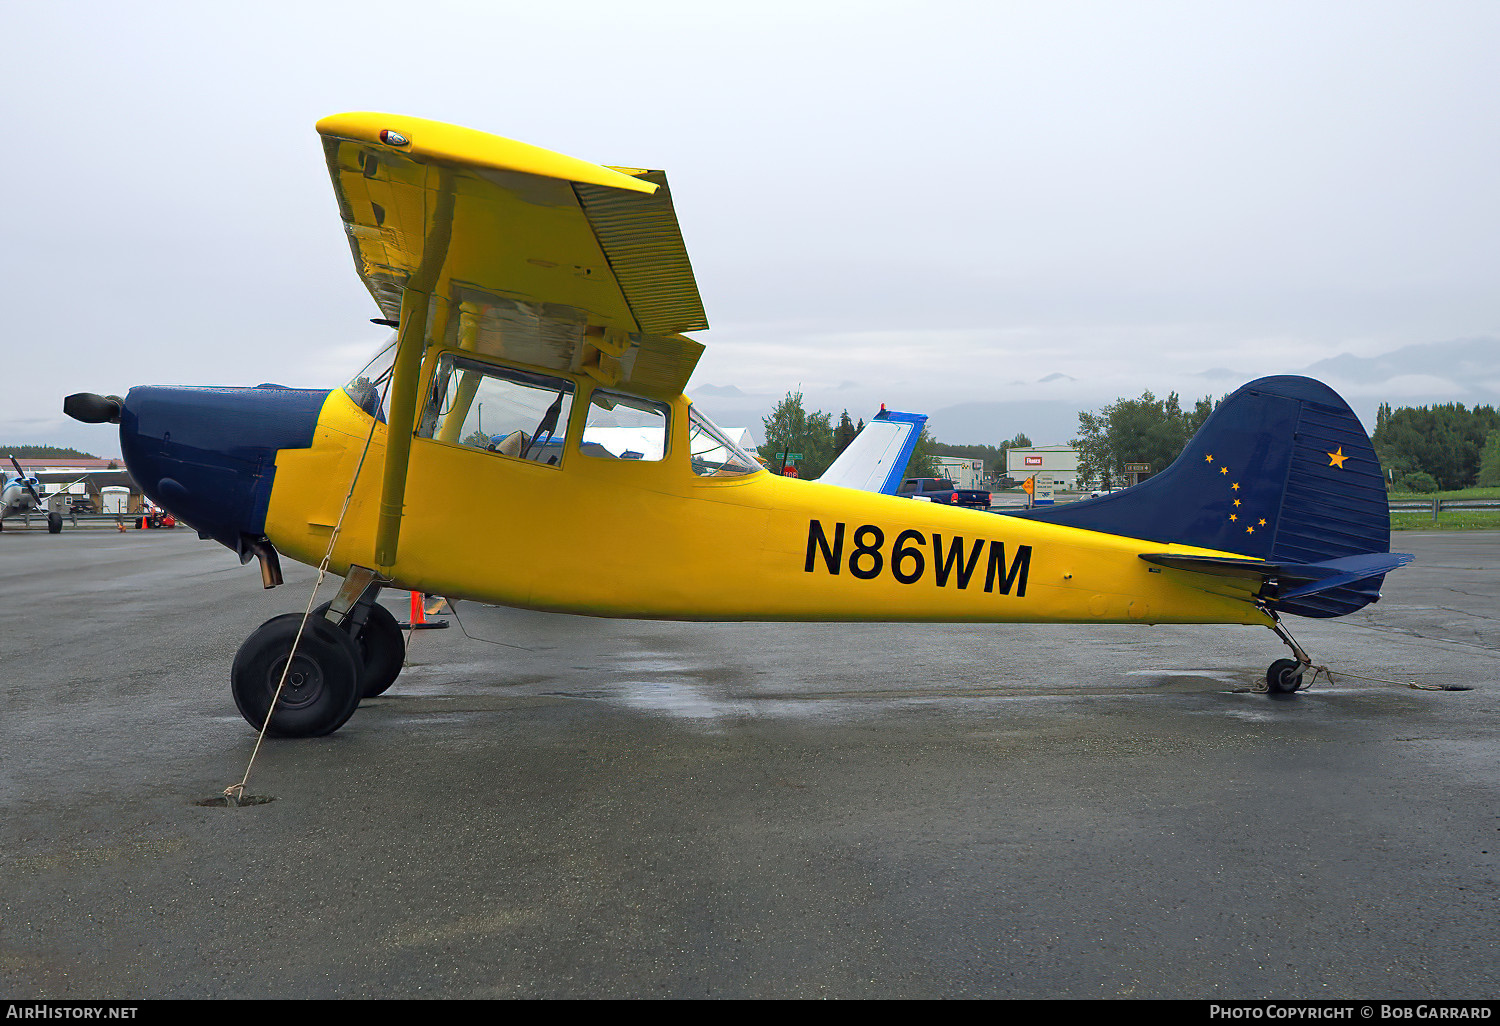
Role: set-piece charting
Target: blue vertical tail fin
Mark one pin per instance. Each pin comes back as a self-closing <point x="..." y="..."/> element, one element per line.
<point x="1281" y="471"/>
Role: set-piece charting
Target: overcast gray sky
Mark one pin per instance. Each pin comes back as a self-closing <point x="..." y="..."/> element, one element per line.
<point x="922" y="204"/>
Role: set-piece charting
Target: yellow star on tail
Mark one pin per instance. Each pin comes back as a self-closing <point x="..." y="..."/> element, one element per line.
<point x="1336" y="459"/>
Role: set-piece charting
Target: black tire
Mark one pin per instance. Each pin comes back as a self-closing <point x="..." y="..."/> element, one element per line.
<point x="54" y="523"/>
<point x="382" y="648"/>
<point x="1284" y="677"/>
<point x="322" y="688"/>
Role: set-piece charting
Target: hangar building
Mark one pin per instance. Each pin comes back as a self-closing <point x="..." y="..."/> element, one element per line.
<point x="90" y="478"/>
<point x="1061" y="461"/>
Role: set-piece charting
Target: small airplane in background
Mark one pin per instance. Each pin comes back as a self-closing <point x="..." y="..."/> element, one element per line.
<point x="20" y="497"/>
<point x="551" y="295"/>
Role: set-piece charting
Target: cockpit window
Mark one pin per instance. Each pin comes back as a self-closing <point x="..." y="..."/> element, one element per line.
<point x="624" y="427"/>
<point x="368" y="387"/>
<point x="711" y="451"/>
<point x="498" y="409"/>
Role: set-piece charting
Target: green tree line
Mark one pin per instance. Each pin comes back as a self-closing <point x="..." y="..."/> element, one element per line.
<point x="42" y="452"/>
<point x="790" y="428"/>
<point x="1422" y="448"/>
<point x="1444" y="446"/>
<point x="1144" y="430"/>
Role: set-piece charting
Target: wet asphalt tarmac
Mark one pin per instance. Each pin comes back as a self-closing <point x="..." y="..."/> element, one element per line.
<point x="626" y="808"/>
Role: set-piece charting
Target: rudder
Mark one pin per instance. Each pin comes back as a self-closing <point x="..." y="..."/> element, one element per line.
<point x="1282" y="471"/>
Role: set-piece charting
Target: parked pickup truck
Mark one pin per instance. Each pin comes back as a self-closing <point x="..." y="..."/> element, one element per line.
<point x="940" y="489"/>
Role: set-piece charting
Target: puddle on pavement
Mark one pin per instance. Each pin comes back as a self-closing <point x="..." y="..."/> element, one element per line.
<point x="223" y="801"/>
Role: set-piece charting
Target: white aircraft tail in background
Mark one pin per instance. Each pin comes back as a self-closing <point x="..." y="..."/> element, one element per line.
<point x="875" y="461"/>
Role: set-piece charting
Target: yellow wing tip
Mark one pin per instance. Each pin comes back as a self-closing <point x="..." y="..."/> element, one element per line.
<point x="420" y="138"/>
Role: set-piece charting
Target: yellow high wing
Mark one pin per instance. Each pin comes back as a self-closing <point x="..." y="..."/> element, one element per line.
<point x="513" y="251"/>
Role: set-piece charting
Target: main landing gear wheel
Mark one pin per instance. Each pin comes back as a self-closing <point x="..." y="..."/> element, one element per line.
<point x="1284" y="676"/>
<point x="54" y="523"/>
<point x="382" y="648"/>
<point x="322" y="684"/>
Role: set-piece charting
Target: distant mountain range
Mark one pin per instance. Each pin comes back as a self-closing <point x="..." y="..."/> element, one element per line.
<point x="1468" y="366"/>
<point x="1045" y="421"/>
<point x="1460" y="370"/>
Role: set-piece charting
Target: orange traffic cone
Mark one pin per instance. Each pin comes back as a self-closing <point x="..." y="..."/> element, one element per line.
<point x="419" y="619"/>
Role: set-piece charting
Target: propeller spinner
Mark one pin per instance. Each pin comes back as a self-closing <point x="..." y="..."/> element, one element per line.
<point x="26" y="481"/>
<point x="93" y="409"/>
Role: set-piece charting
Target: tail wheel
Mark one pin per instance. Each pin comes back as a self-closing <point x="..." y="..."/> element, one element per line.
<point x="1284" y="676"/>
<point x="382" y="648"/>
<point x="322" y="687"/>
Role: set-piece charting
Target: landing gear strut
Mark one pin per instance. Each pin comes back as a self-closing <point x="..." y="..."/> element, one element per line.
<point x="350" y="649"/>
<point x="1285" y="675"/>
<point x="382" y="648"/>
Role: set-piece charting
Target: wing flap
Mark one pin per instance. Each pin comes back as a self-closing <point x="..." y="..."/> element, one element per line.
<point x="644" y="247"/>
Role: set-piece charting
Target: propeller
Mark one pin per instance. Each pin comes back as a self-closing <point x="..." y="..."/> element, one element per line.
<point x="93" y="409"/>
<point x="26" y="482"/>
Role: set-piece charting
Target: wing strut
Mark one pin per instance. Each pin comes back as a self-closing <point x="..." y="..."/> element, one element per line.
<point x="410" y="339"/>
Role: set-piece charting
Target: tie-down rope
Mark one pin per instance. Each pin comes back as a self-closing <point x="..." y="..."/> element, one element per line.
<point x="1322" y="670"/>
<point x="235" y="792"/>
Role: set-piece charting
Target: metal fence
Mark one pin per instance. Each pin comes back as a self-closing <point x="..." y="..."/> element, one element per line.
<point x="1437" y="506"/>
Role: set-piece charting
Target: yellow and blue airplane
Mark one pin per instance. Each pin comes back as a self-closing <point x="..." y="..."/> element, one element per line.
<point x="540" y="301"/>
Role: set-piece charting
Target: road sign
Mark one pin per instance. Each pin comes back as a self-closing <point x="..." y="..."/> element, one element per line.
<point x="788" y="455"/>
<point x="1137" y="468"/>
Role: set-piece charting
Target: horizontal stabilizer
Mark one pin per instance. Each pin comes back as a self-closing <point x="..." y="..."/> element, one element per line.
<point x="1282" y="581"/>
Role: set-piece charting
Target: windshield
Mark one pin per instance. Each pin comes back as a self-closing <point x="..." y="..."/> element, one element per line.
<point x="368" y="387"/>
<point x="625" y="427"/>
<point x="712" y="453"/>
<point x="499" y="409"/>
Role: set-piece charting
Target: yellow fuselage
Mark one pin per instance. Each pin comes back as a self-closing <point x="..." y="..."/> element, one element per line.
<point x="654" y="540"/>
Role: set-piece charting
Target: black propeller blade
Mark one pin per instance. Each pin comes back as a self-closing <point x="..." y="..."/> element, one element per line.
<point x="26" y="481"/>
